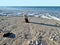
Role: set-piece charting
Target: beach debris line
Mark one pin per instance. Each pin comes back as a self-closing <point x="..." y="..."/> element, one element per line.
<point x="26" y="18"/>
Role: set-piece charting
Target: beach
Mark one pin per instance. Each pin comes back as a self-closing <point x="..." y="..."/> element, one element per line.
<point x="38" y="31"/>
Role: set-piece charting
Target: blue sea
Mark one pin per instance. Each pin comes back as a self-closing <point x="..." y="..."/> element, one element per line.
<point x="50" y="12"/>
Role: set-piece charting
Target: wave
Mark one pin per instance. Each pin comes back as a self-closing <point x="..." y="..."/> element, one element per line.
<point x="47" y="15"/>
<point x="50" y="17"/>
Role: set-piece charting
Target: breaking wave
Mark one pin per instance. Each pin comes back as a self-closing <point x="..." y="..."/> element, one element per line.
<point x="48" y="16"/>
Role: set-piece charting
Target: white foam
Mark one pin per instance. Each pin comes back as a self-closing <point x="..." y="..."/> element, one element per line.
<point x="48" y="16"/>
<point x="52" y="17"/>
<point x="45" y="17"/>
<point x="36" y="16"/>
<point x="31" y="14"/>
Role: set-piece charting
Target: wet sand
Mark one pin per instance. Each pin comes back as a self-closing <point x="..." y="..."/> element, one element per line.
<point x="24" y="33"/>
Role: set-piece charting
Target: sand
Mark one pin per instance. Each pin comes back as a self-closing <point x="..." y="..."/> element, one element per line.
<point x="38" y="31"/>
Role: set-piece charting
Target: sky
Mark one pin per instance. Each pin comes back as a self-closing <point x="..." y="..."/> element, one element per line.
<point x="29" y="2"/>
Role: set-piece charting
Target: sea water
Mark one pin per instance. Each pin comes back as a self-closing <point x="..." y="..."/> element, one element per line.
<point x="51" y="12"/>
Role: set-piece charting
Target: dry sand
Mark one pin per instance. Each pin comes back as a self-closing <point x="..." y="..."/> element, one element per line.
<point x="38" y="31"/>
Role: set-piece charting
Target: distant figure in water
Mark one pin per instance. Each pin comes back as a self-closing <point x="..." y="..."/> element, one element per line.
<point x="26" y="18"/>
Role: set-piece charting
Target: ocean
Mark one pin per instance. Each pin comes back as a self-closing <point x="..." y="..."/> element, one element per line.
<point x="50" y="12"/>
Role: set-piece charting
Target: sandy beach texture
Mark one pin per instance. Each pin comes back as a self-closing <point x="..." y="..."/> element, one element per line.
<point x="39" y="31"/>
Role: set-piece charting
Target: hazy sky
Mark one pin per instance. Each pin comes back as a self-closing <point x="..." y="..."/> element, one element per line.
<point x="29" y="2"/>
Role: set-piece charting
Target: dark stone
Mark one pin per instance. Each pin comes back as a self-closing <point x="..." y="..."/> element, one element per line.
<point x="9" y="35"/>
<point x="6" y="35"/>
